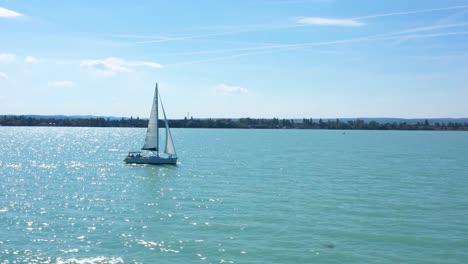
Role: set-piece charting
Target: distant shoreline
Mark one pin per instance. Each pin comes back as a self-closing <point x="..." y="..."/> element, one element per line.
<point x="241" y="123"/>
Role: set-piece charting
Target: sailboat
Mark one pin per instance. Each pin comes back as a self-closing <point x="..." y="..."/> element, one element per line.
<point x="150" y="153"/>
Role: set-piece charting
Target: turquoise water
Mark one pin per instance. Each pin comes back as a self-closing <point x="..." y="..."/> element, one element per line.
<point x="237" y="196"/>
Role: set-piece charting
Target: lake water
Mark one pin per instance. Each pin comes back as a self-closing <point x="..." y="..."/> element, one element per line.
<point x="236" y="196"/>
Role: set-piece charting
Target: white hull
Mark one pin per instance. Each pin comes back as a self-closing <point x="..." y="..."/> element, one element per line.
<point x="151" y="160"/>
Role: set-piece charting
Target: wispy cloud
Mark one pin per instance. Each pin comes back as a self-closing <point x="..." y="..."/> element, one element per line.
<point x="421" y="36"/>
<point x="221" y="31"/>
<point x="453" y="18"/>
<point x="403" y="37"/>
<point x="381" y="37"/>
<point x="7" y="57"/>
<point x="233" y="56"/>
<point x="3" y="76"/>
<point x="61" y="84"/>
<point x="167" y="39"/>
<point x="298" y="22"/>
<point x="7" y="13"/>
<point x="413" y="12"/>
<point x="280" y="47"/>
<point x="321" y="21"/>
<point x="155" y="38"/>
<point x="355" y="21"/>
<point x="229" y="89"/>
<point x="398" y="35"/>
<point x="429" y="28"/>
<point x="114" y="65"/>
<point x="31" y="59"/>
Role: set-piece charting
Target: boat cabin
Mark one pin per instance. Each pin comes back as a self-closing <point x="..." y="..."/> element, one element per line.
<point x="134" y="154"/>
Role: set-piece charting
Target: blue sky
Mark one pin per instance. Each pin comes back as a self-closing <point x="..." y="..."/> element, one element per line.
<point x="264" y="58"/>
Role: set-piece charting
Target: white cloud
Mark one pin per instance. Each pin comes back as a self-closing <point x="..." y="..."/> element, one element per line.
<point x="228" y="89"/>
<point x="7" y="57"/>
<point x="3" y="76"/>
<point x="30" y="59"/>
<point x="321" y="21"/>
<point x="61" y="84"/>
<point x="7" y="13"/>
<point x="114" y="65"/>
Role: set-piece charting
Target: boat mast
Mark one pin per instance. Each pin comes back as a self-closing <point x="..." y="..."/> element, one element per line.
<point x="157" y="120"/>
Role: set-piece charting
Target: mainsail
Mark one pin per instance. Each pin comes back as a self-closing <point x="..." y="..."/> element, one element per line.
<point x="151" y="140"/>
<point x="169" y="149"/>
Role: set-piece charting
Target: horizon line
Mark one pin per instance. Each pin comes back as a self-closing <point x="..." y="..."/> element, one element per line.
<point x="355" y="118"/>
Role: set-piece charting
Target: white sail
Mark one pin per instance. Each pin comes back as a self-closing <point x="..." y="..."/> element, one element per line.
<point x="151" y="140"/>
<point x="169" y="149"/>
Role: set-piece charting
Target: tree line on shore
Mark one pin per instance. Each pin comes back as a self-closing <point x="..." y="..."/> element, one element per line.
<point x="258" y="123"/>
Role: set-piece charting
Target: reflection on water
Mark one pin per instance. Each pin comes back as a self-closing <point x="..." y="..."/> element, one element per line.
<point x="237" y="196"/>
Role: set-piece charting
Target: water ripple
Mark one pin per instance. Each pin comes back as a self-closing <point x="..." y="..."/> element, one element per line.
<point x="238" y="196"/>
